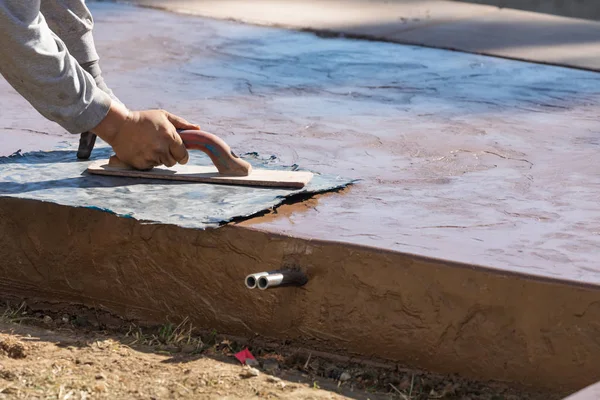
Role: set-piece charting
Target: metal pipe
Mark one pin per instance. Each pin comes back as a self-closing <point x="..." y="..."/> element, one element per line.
<point x="252" y="279"/>
<point x="267" y="281"/>
<point x="282" y="278"/>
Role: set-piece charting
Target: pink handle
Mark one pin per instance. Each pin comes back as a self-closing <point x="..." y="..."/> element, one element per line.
<point x="220" y="153"/>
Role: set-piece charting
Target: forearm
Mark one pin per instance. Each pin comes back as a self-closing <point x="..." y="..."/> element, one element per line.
<point x="37" y="64"/>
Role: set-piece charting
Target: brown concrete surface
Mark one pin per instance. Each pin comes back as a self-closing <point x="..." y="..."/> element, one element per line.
<point x="464" y="158"/>
<point x="410" y="310"/>
<point x="476" y="28"/>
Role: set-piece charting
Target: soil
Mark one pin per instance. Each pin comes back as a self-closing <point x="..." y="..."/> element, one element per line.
<point x="54" y="355"/>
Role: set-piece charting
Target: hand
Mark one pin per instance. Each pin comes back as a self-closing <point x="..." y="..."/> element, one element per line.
<point x="144" y="139"/>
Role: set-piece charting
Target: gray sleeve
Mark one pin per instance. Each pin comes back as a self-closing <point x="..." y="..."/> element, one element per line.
<point x="73" y="23"/>
<point x="37" y="64"/>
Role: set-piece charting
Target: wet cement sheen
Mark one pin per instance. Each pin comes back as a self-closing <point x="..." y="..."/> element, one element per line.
<point x="462" y="157"/>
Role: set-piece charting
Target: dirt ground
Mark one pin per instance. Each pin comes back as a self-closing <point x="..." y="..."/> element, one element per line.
<point x="49" y="355"/>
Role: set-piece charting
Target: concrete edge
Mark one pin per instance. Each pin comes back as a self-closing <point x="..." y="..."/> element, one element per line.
<point x="420" y="313"/>
<point x="449" y="263"/>
<point x="591" y="392"/>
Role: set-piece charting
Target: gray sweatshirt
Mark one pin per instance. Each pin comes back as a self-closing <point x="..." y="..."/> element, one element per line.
<point x="41" y="49"/>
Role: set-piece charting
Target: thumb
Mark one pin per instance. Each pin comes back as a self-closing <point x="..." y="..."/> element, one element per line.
<point x="181" y="123"/>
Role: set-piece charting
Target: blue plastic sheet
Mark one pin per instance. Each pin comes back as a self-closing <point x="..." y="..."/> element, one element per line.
<point x="57" y="176"/>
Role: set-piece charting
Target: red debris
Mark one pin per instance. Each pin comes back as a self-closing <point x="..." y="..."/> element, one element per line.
<point x="244" y="355"/>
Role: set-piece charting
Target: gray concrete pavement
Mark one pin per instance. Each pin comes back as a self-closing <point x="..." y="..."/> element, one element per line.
<point x="587" y="9"/>
<point x="475" y="28"/>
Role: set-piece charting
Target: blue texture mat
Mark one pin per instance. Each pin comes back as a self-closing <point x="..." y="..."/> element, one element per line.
<point x="58" y="177"/>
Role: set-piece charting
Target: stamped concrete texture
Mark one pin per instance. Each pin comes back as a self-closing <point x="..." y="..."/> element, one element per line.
<point x="461" y="157"/>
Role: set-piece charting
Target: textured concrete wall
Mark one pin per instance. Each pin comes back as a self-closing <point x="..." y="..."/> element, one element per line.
<point x="588" y="9"/>
<point x="418" y="312"/>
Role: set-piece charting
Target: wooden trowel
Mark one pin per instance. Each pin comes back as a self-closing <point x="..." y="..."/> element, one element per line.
<point x="228" y="168"/>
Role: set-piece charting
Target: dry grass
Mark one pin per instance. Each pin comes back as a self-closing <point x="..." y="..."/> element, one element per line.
<point x="12" y="314"/>
<point x="180" y="335"/>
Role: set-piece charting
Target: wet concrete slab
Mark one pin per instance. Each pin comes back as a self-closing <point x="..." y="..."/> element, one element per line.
<point x="462" y="157"/>
<point x="22" y="129"/>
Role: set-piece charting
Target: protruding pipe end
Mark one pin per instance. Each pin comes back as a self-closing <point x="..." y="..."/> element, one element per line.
<point x="282" y="278"/>
<point x="252" y="279"/>
<point x="271" y="280"/>
<point x="262" y="283"/>
<point x="250" y="282"/>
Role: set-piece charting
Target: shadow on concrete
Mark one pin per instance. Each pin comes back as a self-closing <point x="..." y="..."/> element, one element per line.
<point x="498" y="32"/>
<point x="569" y="43"/>
<point x="80" y="182"/>
<point x="587" y="9"/>
<point x="42" y="157"/>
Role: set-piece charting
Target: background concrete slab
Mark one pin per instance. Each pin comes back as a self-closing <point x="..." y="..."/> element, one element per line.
<point x="588" y="9"/>
<point x="357" y="16"/>
<point x="463" y="26"/>
<point x="516" y="34"/>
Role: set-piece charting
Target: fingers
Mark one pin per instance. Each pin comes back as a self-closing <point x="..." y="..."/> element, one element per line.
<point x="179" y="122"/>
<point x="144" y="165"/>
<point x="185" y="159"/>
<point x="177" y="149"/>
<point x="168" y="160"/>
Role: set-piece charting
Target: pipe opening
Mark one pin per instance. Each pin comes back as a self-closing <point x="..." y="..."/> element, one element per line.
<point x="250" y="282"/>
<point x="263" y="282"/>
